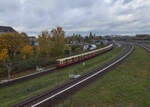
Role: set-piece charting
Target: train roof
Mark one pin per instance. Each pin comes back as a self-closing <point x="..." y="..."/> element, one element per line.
<point x="84" y="53"/>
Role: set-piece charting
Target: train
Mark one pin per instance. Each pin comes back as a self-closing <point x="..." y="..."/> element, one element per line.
<point x="81" y="57"/>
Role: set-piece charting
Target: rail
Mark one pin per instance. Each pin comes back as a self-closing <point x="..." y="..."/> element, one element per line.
<point x="51" y="97"/>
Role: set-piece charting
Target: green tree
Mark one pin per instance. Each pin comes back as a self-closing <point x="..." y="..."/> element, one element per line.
<point x="91" y="36"/>
<point x="67" y="49"/>
<point x="45" y="44"/>
<point x="78" y="49"/>
<point x="58" y="41"/>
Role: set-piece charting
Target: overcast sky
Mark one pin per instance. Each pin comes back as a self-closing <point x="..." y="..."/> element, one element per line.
<point x="78" y="16"/>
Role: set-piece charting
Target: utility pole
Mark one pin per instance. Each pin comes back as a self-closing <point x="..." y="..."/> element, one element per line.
<point x="36" y="58"/>
<point x="9" y="67"/>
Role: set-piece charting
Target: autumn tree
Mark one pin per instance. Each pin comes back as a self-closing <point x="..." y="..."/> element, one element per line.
<point x="3" y="55"/>
<point x="53" y="43"/>
<point x="58" y="41"/>
<point x="13" y="42"/>
<point x="45" y="44"/>
<point x="28" y="50"/>
<point x="25" y="38"/>
<point x="67" y="49"/>
<point x="67" y="40"/>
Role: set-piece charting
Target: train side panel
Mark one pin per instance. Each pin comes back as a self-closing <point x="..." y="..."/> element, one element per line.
<point x="81" y="57"/>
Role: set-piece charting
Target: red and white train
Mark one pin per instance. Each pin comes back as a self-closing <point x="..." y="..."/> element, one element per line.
<point x="81" y="57"/>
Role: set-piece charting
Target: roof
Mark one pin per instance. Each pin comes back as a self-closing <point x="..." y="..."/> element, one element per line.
<point x="6" y="29"/>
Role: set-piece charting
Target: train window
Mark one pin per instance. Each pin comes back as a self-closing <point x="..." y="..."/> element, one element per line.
<point x="76" y="58"/>
<point x="57" y="62"/>
<point x="70" y="60"/>
<point x="73" y="59"/>
<point x="79" y="57"/>
<point x="65" y="61"/>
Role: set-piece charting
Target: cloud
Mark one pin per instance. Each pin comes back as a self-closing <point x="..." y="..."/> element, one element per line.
<point x="127" y="17"/>
<point x="101" y="16"/>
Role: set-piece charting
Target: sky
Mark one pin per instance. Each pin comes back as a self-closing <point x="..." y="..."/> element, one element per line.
<point x="102" y="17"/>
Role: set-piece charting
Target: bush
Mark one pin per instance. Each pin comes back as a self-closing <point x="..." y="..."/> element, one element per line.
<point x="3" y="72"/>
<point x="22" y="65"/>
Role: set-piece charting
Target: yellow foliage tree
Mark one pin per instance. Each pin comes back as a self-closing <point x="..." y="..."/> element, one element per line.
<point x="52" y="44"/>
<point x="67" y="49"/>
<point x="45" y="44"/>
<point x="58" y="36"/>
<point x="13" y="42"/>
<point x="28" y="50"/>
<point x="3" y="55"/>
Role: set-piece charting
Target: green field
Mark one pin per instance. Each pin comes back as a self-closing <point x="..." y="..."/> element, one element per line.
<point x="16" y="93"/>
<point x="128" y="85"/>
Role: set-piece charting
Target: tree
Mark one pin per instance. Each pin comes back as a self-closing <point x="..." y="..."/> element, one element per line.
<point x="78" y="49"/>
<point x="90" y="36"/>
<point x="25" y="38"/>
<point x="45" y="44"/>
<point x="28" y="50"/>
<point x="67" y="49"/>
<point x="58" y="41"/>
<point x="13" y="42"/>
<point x="52" y="44"/>
<point x="67" y="40"/>
<point x="3" y="55"/>
<point x="86" y="39"/>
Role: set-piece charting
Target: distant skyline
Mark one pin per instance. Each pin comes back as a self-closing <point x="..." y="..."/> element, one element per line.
<point x="79" y="16"/>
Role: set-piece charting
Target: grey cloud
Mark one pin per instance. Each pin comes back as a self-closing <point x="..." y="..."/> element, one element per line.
<point x="126" y="1"/>
<point x="100" y="16"/>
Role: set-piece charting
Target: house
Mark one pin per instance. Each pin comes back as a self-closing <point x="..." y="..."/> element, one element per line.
<point x="89" y="47"/>
<point x="92" y="47"/>
<point x="85" y="47"/>
<point x="33" y="40"/>
<point x="6" y="29"/>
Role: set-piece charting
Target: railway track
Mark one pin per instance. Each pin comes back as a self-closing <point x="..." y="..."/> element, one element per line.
<point x="26" y="78"/>
<point x="53" y="96"/>
<point x="145" y="47"/>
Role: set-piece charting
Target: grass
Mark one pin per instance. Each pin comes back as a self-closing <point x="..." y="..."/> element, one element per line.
<point x="46" y="64"/>
<point x="16" y="93"/>
<point x="128" y="85"/>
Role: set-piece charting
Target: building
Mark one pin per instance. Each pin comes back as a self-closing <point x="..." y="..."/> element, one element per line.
<point x="6" y="29"/>
<point x="89" y="47"/>
<point x="33" y="41"/>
